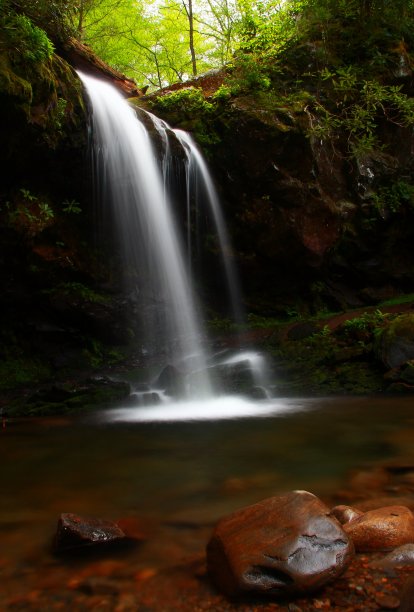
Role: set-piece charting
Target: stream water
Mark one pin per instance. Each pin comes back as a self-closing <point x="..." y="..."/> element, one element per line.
<point x="185" y="473"/>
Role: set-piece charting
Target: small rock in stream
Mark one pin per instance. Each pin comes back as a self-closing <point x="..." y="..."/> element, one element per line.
<point x="281" y="545"/>
<point x="381" y="529"/>
<point x="75" y="532"/>
<point x="344" y="514"/>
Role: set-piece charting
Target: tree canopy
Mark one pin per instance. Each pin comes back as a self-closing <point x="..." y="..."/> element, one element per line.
<point x="158" y="42"/>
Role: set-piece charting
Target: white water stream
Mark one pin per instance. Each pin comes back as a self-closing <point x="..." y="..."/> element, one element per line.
<point x="199" y="179"/>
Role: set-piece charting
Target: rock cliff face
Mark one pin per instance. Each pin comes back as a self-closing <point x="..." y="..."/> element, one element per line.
<point x="306" y="222"/>
<point x="61" y="308"/>
<point x="312" y="226"/>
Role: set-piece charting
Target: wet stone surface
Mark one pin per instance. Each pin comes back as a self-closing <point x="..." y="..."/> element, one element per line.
<point x="75" y="532"/>
<point x="381" y="529"/>
<point x="282" y="545"/>
<point x="130" y="582"/>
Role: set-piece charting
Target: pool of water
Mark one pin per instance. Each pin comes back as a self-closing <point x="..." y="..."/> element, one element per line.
<point x="186" y="471"/>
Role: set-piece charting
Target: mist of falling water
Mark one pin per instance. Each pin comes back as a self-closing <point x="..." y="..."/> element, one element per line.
<point x="134" y="186"/>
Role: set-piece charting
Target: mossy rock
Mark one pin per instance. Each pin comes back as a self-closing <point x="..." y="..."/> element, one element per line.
<point x="407" y="373"/>
<point x="76" y="398"/>
<point x="12" y="84"/>
<point x="48" y="93"/>
<point x="395" y="343"/>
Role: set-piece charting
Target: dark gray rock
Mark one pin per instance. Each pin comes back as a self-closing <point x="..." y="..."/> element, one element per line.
<point x="171" y="380"/>
<point x="237" y="377"/>
<point x="76" y="532"/>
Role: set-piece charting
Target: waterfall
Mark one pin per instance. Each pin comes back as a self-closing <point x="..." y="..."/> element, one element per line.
<point x="199" y="180"/>
<point x="134" y="187"/>
<point x="135" y="182"/>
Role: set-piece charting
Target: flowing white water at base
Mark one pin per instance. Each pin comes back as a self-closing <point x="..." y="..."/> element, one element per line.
<point x="220" y="408"/>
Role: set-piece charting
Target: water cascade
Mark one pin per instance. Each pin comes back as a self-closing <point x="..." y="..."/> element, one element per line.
<point x="199" y="180"/>
<point x="133" y="182"/>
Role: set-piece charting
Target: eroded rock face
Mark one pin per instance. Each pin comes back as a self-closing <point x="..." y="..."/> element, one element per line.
<point x="381" y="529"/>
<point x="281" y="545"/>
<point x="75" y="532"/>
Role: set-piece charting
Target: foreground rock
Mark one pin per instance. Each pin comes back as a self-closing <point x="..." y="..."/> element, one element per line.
<point x="281" y="545"/>
<point x="381" y="529"/>
<point x="75" y="532"/>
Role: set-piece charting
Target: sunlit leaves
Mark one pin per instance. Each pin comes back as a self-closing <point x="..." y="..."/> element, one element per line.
<point x="147" y="41"/>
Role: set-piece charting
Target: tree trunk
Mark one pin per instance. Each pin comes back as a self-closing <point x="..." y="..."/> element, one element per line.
<point x="189" y="11"/>
<point x="80" y="19"/>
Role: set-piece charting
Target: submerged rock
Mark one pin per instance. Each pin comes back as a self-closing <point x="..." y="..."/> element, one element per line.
<point x="234" y="377"/>
<point x="381" y="529"/>
<point x="281" y="545"/>
<point x="75" y="532"/>
<point x="402" y="556"/>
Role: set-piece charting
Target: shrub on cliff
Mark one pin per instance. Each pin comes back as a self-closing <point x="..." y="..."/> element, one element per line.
<point x="52" y="16"/>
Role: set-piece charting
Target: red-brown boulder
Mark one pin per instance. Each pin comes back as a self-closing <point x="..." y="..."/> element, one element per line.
<point x="281" y="545"/>
<point x="381" y="529"/>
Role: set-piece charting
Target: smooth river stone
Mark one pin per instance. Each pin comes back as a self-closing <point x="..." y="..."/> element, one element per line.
<point x="382" y="529"/>
<point x="344" y="514"/>
<point x="281" y="545"/>
<point x="74" y="532"/>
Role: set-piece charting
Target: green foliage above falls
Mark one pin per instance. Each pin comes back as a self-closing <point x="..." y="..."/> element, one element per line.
<point x="340" y="68"/>
<point x="341" y="58"/>
<point x="342" y="32"/>
<point x="26" y="42"/>
<point x="54" y="17"/>
<point x="185" y="102"/>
